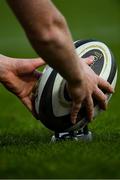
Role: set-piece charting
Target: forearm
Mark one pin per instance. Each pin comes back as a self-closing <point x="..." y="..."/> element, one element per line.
<point x="49" y="35"/>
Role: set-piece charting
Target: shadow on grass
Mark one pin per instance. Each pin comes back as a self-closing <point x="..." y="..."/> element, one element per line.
<point x="24" y="139"/>
<point x="108" y="137"/>
<point x="43" y="137"/>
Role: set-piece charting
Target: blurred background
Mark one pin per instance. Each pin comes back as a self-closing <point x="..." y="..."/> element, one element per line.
<point x="86" y="19"/>
<point x="25" y="151"/>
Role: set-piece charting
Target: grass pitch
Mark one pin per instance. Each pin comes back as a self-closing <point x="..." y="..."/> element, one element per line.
<point x="25" y="148"/>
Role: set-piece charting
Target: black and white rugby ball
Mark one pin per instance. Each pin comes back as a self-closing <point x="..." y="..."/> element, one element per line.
<point x="52" y="103"/>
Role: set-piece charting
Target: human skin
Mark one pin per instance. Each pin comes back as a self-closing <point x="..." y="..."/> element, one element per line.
<point x="20" y="77"/>
<point x="47" y="30"/>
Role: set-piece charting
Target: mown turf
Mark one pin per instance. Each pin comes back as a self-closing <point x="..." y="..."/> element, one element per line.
<point x="25" y="148"/>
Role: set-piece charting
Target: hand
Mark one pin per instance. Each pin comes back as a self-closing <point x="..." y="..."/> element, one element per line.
<point x="83" y="92"/>
<point x="20" y="77"/>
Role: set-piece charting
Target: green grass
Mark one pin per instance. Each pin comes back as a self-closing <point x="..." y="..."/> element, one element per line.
<point x="25" y="148"/>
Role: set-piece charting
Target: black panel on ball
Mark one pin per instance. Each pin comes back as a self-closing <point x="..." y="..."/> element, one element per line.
<point x="81" y="42"/>
<point x="113" y="70"/>
<point x="58" y="124"/>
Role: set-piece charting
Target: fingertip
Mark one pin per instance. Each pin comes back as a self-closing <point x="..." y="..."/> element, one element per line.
<point x="112" y="90"/>
<point x="91" y="117"/>
<point x="73" y="120"/>
<point x="105" y="106"/>
<point x="91" y="59"/>
<point x="74" y="112"/>
<point x="38" y="62"/>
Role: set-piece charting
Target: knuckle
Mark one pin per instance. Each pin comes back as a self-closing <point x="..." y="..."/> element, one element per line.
<point x="96" y="90"/>
<point x="90" y="108"/>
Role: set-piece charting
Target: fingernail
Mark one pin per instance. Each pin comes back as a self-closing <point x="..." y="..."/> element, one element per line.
<point x="91" y="61"/>
<point x="113" y="90"/>
<point x="73" y="121"/>
<point x="92" y="58"/>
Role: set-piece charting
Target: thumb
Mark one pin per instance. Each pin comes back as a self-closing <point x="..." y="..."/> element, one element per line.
<point x="28" y="65"/>
<point x="89" y="60"/>
<point x="36" y="63"/>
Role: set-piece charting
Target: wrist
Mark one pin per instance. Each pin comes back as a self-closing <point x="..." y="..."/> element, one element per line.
<point x="4" y="66"/>
<point x="77" y="75"/>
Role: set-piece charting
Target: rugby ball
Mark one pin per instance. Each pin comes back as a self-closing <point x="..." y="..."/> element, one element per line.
<point x="52" y="103"/>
